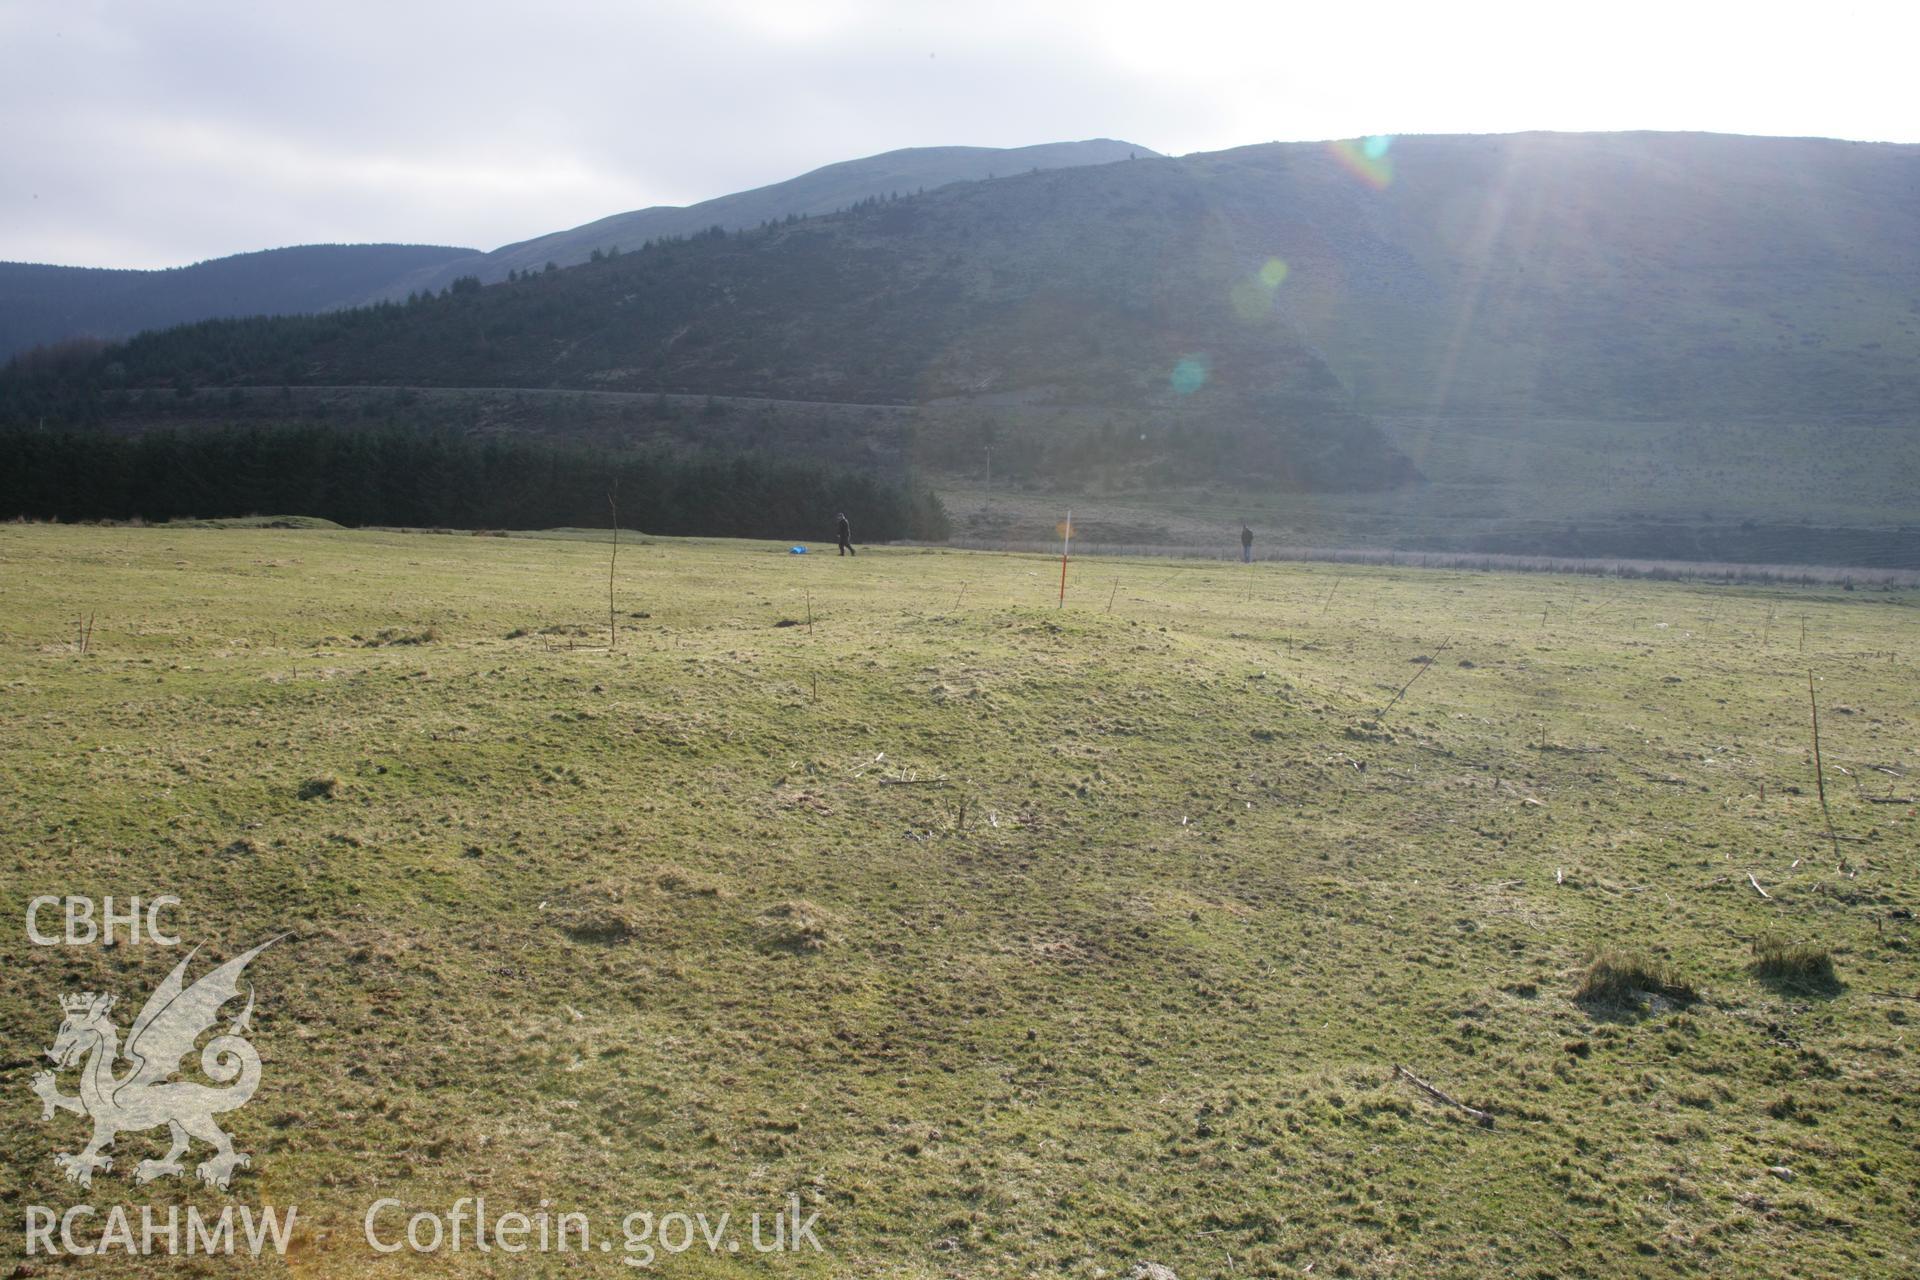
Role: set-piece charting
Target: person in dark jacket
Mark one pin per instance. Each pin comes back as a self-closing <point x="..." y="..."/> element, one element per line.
<point x="1246" y="544"/>
<point x="846" y="535"/>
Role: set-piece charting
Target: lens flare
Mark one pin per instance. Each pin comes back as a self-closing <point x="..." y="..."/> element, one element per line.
<point x="1252" y="297"/>
<point x="1367" y="159"/>
<point x="1189" y="375"/>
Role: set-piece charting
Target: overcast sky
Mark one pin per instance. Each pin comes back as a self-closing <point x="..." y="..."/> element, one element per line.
<point x="147" y="134"/>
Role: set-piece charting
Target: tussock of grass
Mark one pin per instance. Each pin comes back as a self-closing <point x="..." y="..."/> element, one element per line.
<point x="797" y="925"/>
<point x="324" y="787"/>
<point x="395" y="636"/>
<point x="1625" y="977"/>
<point x="1804" y="964"/>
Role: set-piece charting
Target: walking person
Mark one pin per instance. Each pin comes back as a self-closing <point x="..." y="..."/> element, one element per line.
<point x="846" y="535"/>
<point x="1246" y="544"/>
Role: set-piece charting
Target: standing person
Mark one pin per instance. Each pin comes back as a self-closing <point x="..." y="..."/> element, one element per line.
<point x="846" y="535"/>
<point x="1246" y="544"/>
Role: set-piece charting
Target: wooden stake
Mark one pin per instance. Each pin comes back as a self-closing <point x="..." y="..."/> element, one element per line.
<point x="613" y="507"/>
<point x="1111" y="594"/>
<point x="1819" y="771"/>
<point x="809" y="610"/>
<point x="1066" y="542"/>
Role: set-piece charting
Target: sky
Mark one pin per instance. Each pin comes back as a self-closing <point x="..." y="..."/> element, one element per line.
<point x="145" y="134"/>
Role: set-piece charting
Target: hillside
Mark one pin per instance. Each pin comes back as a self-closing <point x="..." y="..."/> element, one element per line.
<point x="1647" y="345"/>
<point x="1604" y="276"/>
<point x="43" y="304"/>
<point x="1034" y="288"/>
<point x="1597" y="275"/>
<point x="825" y="190"/>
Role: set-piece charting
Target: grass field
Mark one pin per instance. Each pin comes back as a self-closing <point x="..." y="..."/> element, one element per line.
<point x="1015" y="941"/>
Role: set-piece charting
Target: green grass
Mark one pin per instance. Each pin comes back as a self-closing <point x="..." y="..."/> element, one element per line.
<point x="1019" y="941"/>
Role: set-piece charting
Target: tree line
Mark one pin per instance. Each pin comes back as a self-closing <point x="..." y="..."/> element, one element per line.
<point x="412" y="477"/>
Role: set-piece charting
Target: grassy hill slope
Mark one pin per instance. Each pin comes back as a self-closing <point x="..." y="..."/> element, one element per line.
<point x="1600" y="275"/>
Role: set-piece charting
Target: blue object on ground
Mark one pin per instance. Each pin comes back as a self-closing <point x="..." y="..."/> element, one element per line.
<point x="797" y="551"/>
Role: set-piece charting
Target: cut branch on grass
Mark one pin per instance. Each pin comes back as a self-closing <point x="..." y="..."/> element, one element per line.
<point x="1481" y="1118"/>
<point x="1329" y="602"/>
<point x="1424" y="668"/>
<point x="1756" y="887"/>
